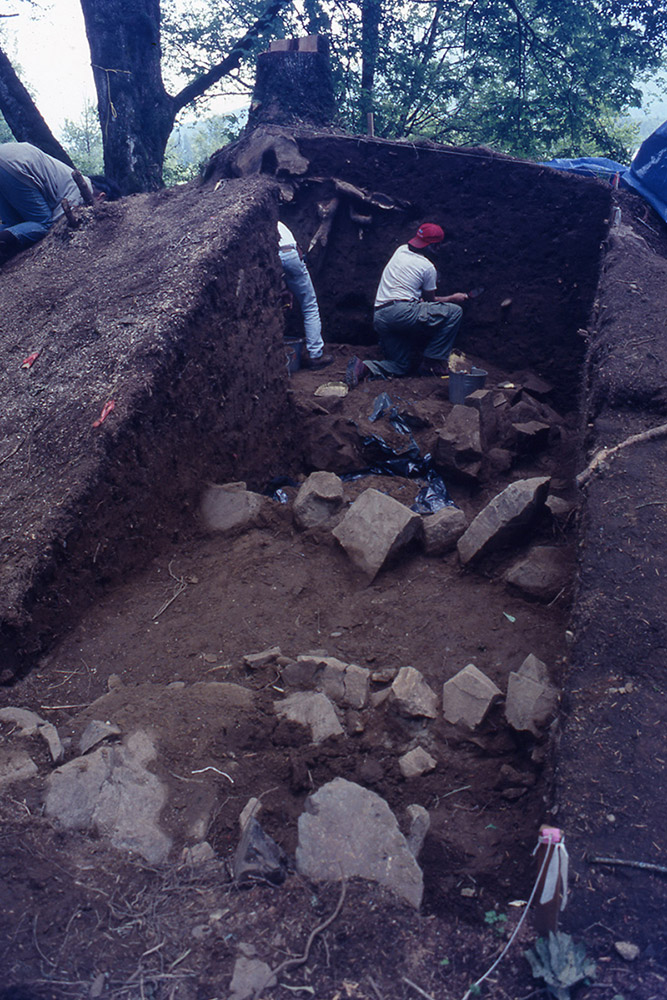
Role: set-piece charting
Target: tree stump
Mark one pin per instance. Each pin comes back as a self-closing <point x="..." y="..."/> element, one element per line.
<point x="294" y="84"/>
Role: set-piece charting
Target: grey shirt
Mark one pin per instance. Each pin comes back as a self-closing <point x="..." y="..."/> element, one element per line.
<point x="51" y="177"/>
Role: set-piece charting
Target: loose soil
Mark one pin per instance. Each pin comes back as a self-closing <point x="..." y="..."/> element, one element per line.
<point x="80" y="919"/>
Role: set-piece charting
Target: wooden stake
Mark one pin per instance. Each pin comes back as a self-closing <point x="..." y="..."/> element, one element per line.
<point x="83" y="187"/>
<point x="370" y="124"/>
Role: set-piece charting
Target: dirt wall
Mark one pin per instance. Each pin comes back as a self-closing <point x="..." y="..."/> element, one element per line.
<point x="162" y="305"/>
<point x="521" y="231"/>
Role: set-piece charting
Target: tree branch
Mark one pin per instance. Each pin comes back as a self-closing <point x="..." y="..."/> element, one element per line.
<point x="199" y="86"/>
<point x="22" y="116"/>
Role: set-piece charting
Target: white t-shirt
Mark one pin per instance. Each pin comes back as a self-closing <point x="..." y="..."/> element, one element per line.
<point x="406" y="277"/>
<point x="286" y="239"/>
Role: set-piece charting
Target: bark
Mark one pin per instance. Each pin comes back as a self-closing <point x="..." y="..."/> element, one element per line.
<point x="136" y="112"/>
<point x="23" y="118"/>
<point x="371" y="16"/>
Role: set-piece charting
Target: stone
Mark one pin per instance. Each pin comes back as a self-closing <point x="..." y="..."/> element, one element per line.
<point x="442" y="530"/>
<point x="503" y="519"/>
<point x="376" y="529"/>
<point x="15" y="765"/>
<point x="482" y="400"/>
<point x="31" y="724"/>
<point x="500" y="459"/>
<point x="561" y="509"/>
<point x="250" y="978"/>
<point x="96" y="732"/>
<point x="458" y="446"/>
<point x="318" y="501"/>
<point x="112" y="791"/>
<point x="419" y="821"/>
<point x="468" y="696"/>
<point x="536" y="386"/>
<point x="531" y="436"/>
<point x="266" y="658"/>
<point x="198" y="854"/>
<point x="530" y="704"/>
<point x="357" y="685"/>
<point x="627" y="950"/>
<point x="535" y="669"/>
<point x="253" y="807"/>
<point x="412" y="695"/>
<point x="542" y="574"/>
<point x="258" y="857"/>
<point x="416" y="762"/>
<point x="231" y="508"/>
<point x="312" y="709"/>
<point x="331" y="678"/>
<point x="347" y="831"/>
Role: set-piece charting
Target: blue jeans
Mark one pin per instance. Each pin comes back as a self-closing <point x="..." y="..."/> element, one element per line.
<point x="410" y="331"/>
<point x="23" y="209"/>
<point x="300" y="285"/>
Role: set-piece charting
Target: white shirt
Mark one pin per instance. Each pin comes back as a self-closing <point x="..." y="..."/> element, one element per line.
<point x="286" y="239"/>
<point x="406" y="277"/>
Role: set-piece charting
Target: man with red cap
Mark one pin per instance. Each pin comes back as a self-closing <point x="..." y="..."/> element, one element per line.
<point x="416" y="328"/>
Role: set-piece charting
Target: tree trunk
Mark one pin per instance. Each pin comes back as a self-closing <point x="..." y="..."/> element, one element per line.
<point x="136" y="112"/>
<point x="371" y="16"/>
<point x="23" y="118"/>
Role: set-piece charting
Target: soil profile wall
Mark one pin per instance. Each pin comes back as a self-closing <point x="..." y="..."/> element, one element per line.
<point x="162" y="306"/>
<point x="526" y="233"/>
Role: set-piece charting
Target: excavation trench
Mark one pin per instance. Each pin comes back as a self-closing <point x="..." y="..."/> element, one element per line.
<point x="104" y="526"/>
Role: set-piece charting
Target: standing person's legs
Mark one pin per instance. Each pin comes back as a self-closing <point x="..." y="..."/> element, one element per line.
<point x="24" y="210"/>
<point x="300" y="284"/>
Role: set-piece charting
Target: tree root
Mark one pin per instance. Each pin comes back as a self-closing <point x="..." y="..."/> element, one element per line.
<point x="599" y="460"/>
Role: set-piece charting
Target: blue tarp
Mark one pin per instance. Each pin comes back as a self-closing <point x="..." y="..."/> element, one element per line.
<point x="647" y="174"/>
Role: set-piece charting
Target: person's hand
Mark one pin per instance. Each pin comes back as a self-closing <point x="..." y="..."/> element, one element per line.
<point x="458" y="298"/>
<point x="286" y="298"/>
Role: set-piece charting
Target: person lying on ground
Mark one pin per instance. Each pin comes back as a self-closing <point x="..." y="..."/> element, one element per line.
<point x="416" y="328"/>
<point x="299" y="283"/>
<point x="32" y="187"/>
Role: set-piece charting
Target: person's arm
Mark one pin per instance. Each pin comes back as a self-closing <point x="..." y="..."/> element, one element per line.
<point x="458" y="298"/>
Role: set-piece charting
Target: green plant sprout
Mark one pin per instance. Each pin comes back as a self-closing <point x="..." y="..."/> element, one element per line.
<point x="561" y="963"/>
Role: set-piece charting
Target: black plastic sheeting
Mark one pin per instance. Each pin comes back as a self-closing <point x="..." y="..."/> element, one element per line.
<point x="384" y="461"/>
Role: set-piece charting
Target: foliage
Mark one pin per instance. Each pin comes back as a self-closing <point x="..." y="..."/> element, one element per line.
<point x="561" y="963"/>
<point x="5" y="131"/>
<point x="190" y="146"/>
<point x="83" y="141"/>
<point x="196" y="35"/>
<point x="496" y="920"/>
<point x="537" y="78"/>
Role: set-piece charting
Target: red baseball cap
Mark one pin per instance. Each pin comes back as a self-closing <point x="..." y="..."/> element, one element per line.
<point x="427" y="233"/>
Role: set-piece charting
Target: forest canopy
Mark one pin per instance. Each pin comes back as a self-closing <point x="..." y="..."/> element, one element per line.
<point x="533" y="78"/>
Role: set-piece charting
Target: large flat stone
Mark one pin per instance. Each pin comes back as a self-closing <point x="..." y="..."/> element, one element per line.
<point x="468" y="696"/>
<point x="412" y="695"/>
<point x="542" y="574"/>
<point x="347" y="831"/>
<point x="231" y="508"/>
<point x="507" y="515"/>
<point x="318" y="501"/>
<point x="312" y="709"/>
<point x="112" y="791"/>
<point x="375" y="529"/>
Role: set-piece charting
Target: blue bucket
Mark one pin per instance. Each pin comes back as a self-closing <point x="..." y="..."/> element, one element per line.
<point x="461" y="384"/>
<point x="293" y="349"/>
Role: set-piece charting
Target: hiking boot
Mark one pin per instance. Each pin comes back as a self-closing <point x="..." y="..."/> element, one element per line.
<point x="432" y="366"/>
<point x="355" y="372"/>
<point x="314" y="363"/>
